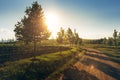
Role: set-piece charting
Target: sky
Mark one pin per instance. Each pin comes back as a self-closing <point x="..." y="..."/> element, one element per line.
<point x="92" y="19"/>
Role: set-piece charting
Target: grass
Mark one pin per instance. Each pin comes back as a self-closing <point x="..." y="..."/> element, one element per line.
<point x="36" y="69"/>
<point x="113" y="53"/>
<point x="10" y="52"/>
<point x="56" y="75"/>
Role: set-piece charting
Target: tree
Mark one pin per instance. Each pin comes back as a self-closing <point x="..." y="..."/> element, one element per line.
<point x="115" y="37"/>
<point x="70" y="36"/>
<point x="104" y="41"/>
<point x="61" y="36"/>
<point x="32" y="26"/>
<point x="118" y="37"/>
<point x="77" y="39"/>
<point x="110" y="41"/>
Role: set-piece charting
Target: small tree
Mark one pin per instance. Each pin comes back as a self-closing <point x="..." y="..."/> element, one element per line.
<point x="70" y="36"/>
<point x="118" y="38"/>
<point x="77" y="39"/>
<point x="110" y="41"/>
<point x="61" y="36"/>
<point x="115" y="37"/>
<point x="104" y="41"/>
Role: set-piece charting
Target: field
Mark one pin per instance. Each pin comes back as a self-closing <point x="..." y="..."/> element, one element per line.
<point x="59" y="62"/>
<point x="111" y="51"/>
<point x="99" y="62"/>
<point x="60" y="40"/>
<point x="22" y="65"/>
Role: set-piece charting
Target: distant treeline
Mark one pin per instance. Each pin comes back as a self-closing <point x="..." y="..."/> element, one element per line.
<point x="110" y="41"/>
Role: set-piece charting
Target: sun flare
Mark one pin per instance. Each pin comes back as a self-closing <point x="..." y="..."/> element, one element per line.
<point x="52" y="21"/>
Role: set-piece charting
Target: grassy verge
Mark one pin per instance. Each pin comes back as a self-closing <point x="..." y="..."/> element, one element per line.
<point x="37" y="69"/>
<point x="56" y="74"/>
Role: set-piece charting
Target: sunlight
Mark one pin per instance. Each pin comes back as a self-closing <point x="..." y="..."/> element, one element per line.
<point x="52" y="20"/>
<point x="92" y="67"/>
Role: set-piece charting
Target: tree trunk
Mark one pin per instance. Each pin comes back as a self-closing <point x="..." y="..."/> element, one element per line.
<point x="34" y="47"/>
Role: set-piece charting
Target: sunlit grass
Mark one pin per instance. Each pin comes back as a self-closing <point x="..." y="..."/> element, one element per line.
<point x="44" y="65"/>
<point x="113" y="53"/>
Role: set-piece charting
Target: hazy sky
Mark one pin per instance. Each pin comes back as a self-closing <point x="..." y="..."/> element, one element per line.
<point x="91" y="18"/>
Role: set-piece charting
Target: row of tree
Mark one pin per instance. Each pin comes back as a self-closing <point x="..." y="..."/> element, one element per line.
<point x="113" y="41"/>
<point x="110" y="41"/>
<point x="68" y="37"/>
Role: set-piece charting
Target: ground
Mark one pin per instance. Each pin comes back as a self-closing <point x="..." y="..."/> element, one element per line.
<point x="93" y="66"/>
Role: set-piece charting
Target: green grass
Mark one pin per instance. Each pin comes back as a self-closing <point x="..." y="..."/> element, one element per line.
<point x="10" y="52"/>
<point x="38" y="69"/>
<point x="56" y="75"/>
<point x="113" y="53"/>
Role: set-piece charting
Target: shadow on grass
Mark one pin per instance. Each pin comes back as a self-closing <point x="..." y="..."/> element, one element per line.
<point x="38" y="70"/>
<point x="111" y="71"/>
<point x="102" y="57"/>
<point x="74" y="74"/>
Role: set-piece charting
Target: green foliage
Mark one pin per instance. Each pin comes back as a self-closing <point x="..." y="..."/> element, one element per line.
<point x="93" y="41"/>
<point x="32" y="26"/>
<point x="68" y="37"/>
<point x="115" y="37"/>
<point x="77" y="39"/>
<point x="110" y="41"/>
<point x="61" y="35"/>
<point x="104" y="41"/>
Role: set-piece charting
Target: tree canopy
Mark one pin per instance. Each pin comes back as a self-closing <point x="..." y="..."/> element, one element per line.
<point x="33" y="25"/>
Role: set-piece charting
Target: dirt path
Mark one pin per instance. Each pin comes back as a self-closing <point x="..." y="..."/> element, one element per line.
<point x="93" y="66"/>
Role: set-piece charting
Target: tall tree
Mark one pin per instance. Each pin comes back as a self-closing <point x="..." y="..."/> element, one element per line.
<point x="115" y="37"/>
<point x="118" y="37"/>
<point x="32" y="27"/>
<point x="77" y="39"/>
<point x="70" y="36"/>
<point x="61" y="36"/>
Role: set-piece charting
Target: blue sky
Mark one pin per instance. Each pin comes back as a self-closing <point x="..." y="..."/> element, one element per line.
<point x="91" y="18"/>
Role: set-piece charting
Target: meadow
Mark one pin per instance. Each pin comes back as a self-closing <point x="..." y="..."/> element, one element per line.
<point x="17" y="62"/>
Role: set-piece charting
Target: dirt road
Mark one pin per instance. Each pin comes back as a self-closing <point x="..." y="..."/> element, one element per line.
<point x="93" y="66"/>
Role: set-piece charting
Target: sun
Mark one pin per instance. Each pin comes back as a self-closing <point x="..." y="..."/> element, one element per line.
<point x="53" y="21"/>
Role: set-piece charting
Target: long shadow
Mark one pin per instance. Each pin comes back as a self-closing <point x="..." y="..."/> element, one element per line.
<point x="37" y="70"/>
<point x="111" y="71"/>
<point x="101" y="57"/>
<point x="74" y="74"/>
